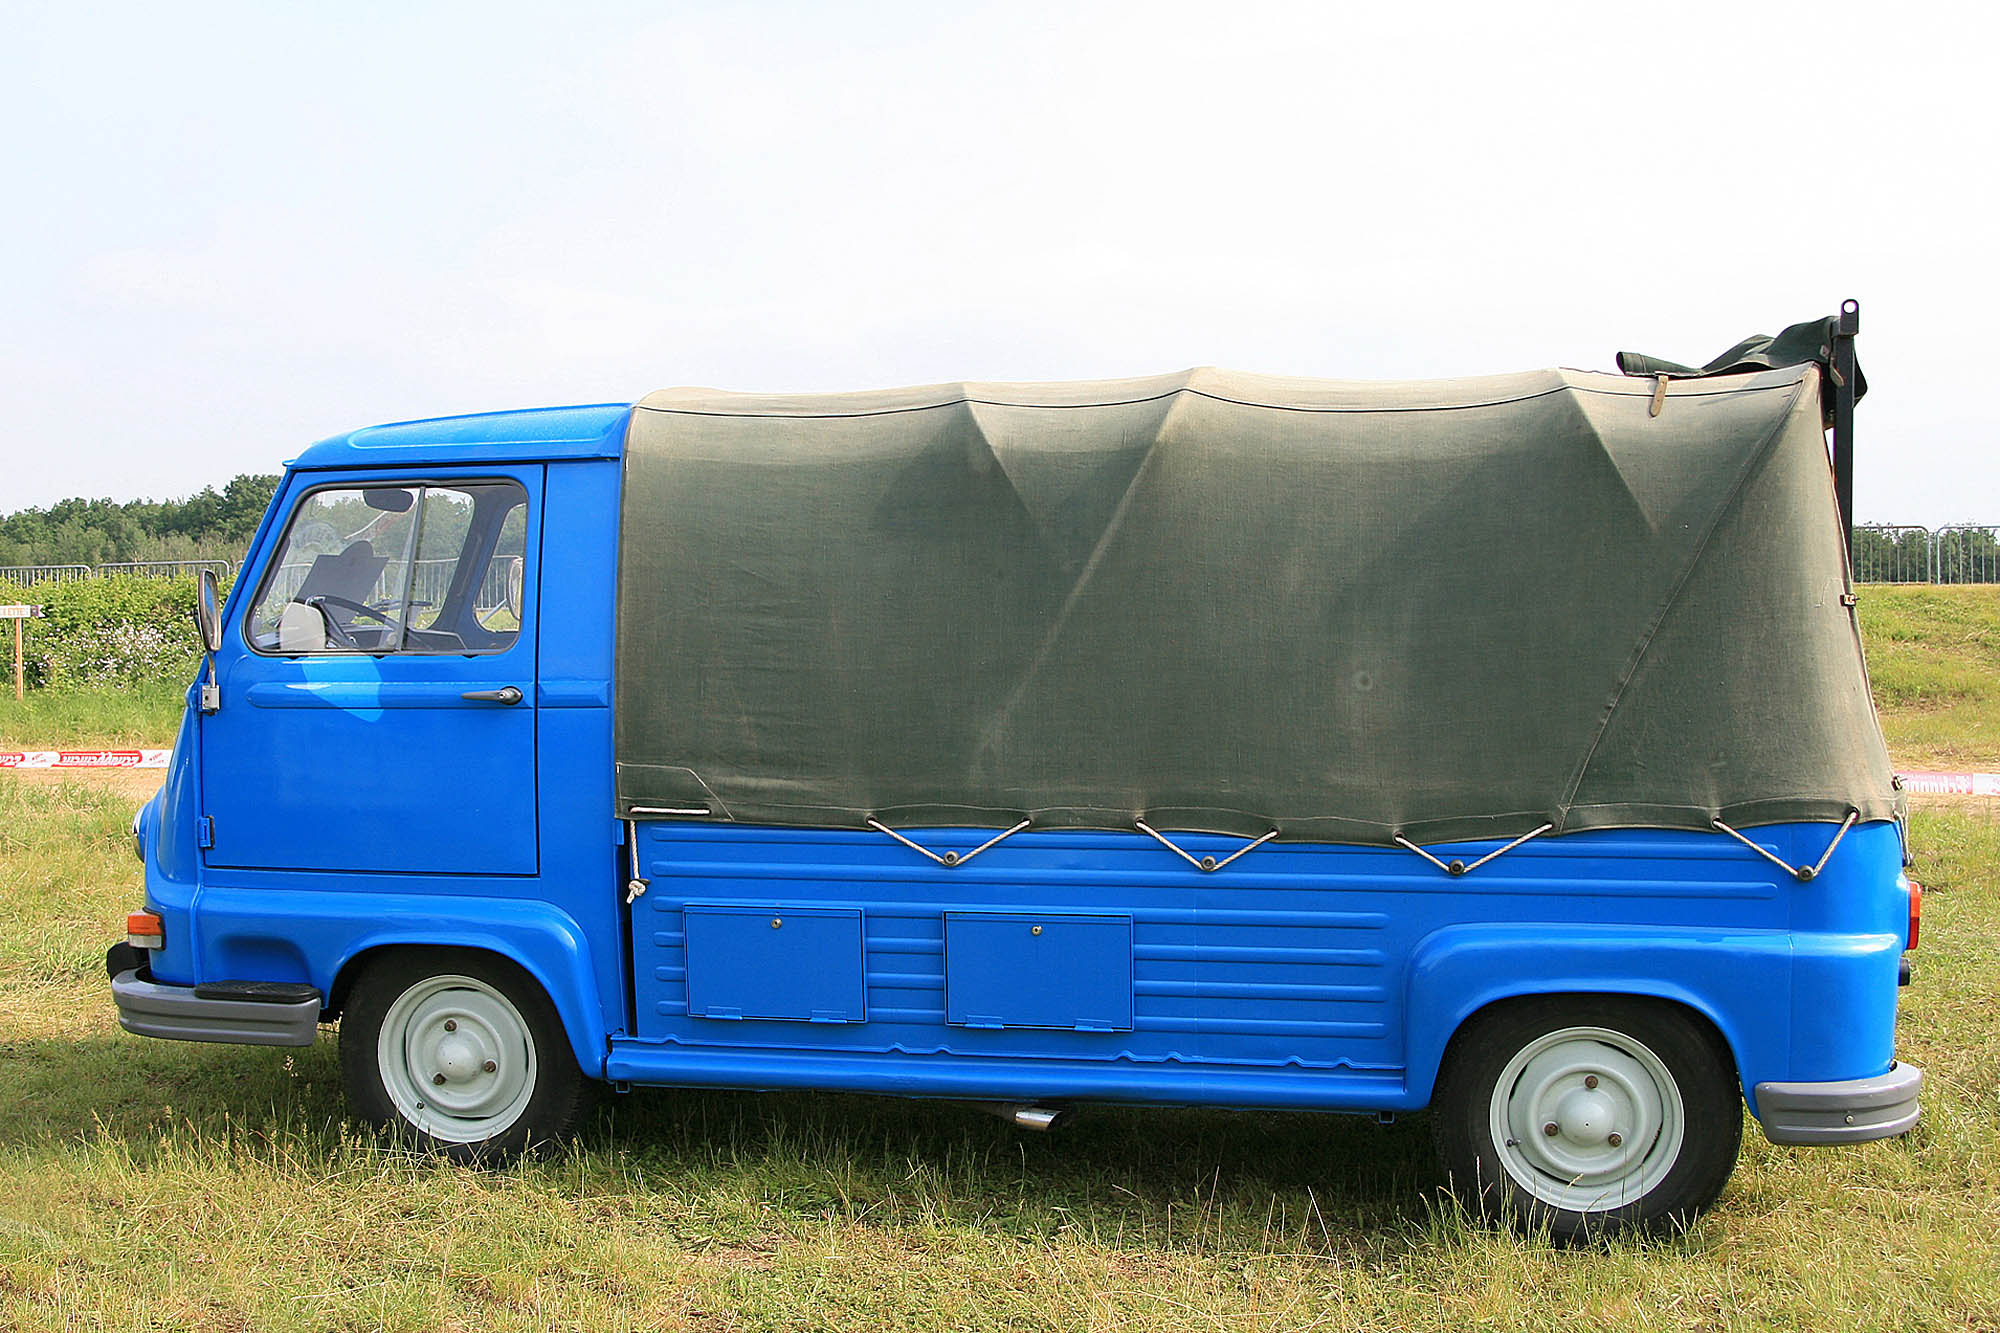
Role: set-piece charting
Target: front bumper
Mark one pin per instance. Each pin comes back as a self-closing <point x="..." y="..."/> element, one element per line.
<point x="182" y="1013"/>
<point x="1850" y="1111"/>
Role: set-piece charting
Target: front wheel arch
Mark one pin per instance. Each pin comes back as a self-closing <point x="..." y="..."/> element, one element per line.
<point x="459" y="1051"/>
<point x="548" y="946"/>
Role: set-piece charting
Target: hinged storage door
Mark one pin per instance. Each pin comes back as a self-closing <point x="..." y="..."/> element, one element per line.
<point x="1019" y="970"/>
<point x="797" y="963"/>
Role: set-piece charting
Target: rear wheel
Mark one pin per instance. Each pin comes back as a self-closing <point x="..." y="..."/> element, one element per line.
<point x="1588" y="1115"/>
<point x="461" y="1052"/>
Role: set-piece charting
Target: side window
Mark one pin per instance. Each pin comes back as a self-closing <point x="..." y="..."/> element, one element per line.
<point x="397" y="569"/>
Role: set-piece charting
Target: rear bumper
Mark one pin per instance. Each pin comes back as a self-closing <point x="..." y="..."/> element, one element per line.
<point x="1849" y="1111"/>
<point x="176" y="1012"/>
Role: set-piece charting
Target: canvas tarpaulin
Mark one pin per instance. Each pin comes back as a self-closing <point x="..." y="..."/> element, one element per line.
<point x="1799" y="344"/>
<point x="1233" y="603"/>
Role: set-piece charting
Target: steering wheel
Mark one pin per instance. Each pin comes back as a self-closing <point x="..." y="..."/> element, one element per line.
<point x="339" y="631"/>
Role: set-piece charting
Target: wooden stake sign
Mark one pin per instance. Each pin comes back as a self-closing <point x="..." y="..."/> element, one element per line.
<point x="17" y="614"/>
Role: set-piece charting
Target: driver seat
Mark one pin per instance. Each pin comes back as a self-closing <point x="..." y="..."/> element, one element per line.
<point x="301" y="629"/>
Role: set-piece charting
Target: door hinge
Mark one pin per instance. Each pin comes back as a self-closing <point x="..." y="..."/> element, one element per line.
<point x="204" y="831"/>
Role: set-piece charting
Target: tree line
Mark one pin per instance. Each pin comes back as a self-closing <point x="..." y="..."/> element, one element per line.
<point x="210" y="525"/>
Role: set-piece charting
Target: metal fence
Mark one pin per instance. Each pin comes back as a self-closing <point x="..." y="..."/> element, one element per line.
<point x="168" y="569"/>
<point x="428" y="583"/>
<point x="1893" y="553"/>
<point x="1965" y="555"/>
<point x="1899" y="553"/>
<point x="27" y="576"/>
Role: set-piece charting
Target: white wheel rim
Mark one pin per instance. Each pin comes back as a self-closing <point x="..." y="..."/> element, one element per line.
<point x="456" y="1059"/>
<point x="1587" y="1119"/>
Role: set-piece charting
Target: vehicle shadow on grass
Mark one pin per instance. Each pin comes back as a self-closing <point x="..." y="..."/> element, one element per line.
<point x="1122" y="1161"/>
<point x="1113" y="1170"/>
<point x="140" y="1091"/>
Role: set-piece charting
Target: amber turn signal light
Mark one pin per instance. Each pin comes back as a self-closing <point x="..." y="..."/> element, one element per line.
<point x="144" y="930"/>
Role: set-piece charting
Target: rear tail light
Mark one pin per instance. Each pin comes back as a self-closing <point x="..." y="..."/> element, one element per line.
<point x="1916" y="912"/>
<point x="144" y="930"/>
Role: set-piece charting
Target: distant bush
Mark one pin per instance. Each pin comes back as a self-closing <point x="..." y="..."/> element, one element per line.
<point x="116" y="629"/>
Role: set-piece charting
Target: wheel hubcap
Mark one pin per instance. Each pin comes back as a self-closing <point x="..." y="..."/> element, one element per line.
<point x="1584" y="1117"/>
<point x="456" y="1059"/>
<point x="1587" y="1119"/>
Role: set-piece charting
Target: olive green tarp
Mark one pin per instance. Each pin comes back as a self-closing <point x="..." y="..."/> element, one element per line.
<point x="1810" y="342"/>
<point x="1227" y="602"/>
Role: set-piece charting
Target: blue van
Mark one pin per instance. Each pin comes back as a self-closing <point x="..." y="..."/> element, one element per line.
<point x="1498" y="746"/>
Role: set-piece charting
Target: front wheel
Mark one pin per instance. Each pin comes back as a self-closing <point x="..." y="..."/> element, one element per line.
<point x="1590" y="1115"/>
<point x="460" y="1052"/>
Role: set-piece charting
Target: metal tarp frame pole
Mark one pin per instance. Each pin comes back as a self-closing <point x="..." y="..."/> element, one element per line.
<point x="1803" y="874"/>
<point x="1845" y="327"/>
<point x="1205" y="864"/>
<point x="949" y="860"/>
<point x="1461" y="868"/>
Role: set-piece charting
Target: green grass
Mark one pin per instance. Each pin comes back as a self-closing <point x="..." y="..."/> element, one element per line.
<point x="154" y="1184"/>
<point x="150" y="1184"/>
<point x="91" y="719"/>
<point x="1934" y="657"/>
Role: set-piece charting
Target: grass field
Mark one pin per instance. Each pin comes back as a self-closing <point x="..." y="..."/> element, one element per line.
<point x="1934" y="657"/>
<point x="163" y="1185"/>
<point x="96" y="719"/>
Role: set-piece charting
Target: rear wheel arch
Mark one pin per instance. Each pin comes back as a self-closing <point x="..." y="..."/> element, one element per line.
<point x="1588" y="1113"/>
<point x="1694" y="1014"/>
<point x="1439" y="1019"/>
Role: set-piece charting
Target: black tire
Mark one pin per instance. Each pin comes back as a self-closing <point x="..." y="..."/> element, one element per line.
<point x="1580" y="1154"/>
<point x="482" y="1070"/>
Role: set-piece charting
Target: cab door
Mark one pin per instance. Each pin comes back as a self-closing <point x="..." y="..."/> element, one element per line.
<point x="377" y="683"/>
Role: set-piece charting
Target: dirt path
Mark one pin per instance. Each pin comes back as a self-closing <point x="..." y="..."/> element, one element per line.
<point x="139" y="784"/>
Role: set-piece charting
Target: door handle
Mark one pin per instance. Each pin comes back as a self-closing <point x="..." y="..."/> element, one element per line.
<point x="506" y="694"/>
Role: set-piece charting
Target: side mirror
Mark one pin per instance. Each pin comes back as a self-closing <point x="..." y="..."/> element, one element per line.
<point x="208" y="620"/>
<point x="514" y="573"/>
<point x="208" y="612"/>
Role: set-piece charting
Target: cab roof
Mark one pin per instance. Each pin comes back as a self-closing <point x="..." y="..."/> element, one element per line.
<point x="593" y="431"/>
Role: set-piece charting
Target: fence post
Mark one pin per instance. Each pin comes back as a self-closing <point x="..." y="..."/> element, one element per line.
<point x="18" y="614"/>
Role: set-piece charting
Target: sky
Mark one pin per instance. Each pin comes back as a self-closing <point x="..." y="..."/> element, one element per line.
<point x="238" y="228"/>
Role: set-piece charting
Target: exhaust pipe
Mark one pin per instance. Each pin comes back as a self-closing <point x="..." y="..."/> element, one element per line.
<point x="1039" y="1118"/>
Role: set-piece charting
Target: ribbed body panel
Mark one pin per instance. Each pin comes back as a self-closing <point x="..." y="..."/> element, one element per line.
<point x="1299" y="964"/>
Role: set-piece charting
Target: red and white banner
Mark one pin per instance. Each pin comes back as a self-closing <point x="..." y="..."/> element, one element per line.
<point x="84" y="758"/>
<point x="1952" y="784"/>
